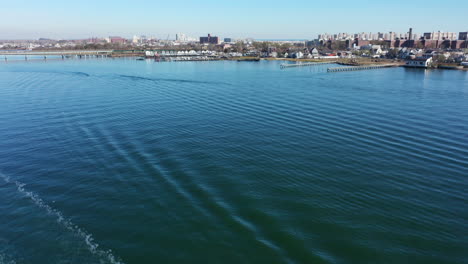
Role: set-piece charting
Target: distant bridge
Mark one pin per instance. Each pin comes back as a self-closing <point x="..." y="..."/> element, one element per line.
<point x="56" y="53"/>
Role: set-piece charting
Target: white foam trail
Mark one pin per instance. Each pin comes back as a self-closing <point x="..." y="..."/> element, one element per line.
<point x="3" y="260"/>
<point x="92" y="246"/>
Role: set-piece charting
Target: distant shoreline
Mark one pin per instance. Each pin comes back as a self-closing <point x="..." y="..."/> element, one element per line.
<point x="341" y="61"/>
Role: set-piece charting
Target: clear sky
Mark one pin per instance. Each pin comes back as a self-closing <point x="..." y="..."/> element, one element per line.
<point x="261" y="19"/>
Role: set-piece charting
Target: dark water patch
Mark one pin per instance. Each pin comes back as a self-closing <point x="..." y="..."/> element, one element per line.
<point x="141" y="78"/>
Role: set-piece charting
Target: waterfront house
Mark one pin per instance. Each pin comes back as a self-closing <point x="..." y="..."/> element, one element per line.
<point x="419" y="62"/>
<point x="298" y="55"/>
<point x="314" y="52"/>
<point x="376" y="50"/>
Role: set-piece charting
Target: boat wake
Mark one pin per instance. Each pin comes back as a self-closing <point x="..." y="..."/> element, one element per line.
<point x="5" y="260"/>
<point x="105" y="255"/>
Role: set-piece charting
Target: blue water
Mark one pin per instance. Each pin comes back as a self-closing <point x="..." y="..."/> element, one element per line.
<point x="125" y="161"/>
<point x="25" y="58"/>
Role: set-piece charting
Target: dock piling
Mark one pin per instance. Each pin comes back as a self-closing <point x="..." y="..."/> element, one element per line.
<point x="284" y="65"/>
<point x="360" y="68"/>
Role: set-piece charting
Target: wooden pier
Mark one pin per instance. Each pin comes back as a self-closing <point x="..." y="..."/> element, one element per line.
<point x="361" y="68"/>
<point x="285" y="65"/>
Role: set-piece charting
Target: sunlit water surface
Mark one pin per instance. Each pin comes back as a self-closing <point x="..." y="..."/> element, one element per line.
<point x="125" y="161"/>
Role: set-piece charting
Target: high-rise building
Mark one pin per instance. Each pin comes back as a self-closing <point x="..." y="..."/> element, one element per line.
<point x="440" y="36"/>
<point x="427" y="35"/>
<point x="463" y="36"/>
<point x="209" y="40"/>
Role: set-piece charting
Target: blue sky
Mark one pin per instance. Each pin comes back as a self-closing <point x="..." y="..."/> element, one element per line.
<point x="261" y="19"/>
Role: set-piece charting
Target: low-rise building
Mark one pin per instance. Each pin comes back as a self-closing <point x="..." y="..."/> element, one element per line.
<point x="419" y="62"/>
<point x="297" y="55"/>
<point x="314" y="52"/>
<point x="376" y="50"/>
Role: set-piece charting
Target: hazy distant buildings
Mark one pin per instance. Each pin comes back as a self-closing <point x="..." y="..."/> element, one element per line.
<point x="428" y="40"/>
<point x="181" y="37"/>
<point x="117" y="40"/>
<point x="93" y="40"/>
<point x="209" y="40"/>
<point x="390" y="36"/>
<point x="227" y="40"/>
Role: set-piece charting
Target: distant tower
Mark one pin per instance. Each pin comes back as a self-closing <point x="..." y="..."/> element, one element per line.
<point x="410" y="37"/>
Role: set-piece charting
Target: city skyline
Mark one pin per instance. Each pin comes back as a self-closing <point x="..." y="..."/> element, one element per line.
<point x="182" y="37"/>
<point x="298" y="19"/>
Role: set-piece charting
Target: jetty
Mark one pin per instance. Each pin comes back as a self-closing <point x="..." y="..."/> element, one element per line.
<point x="361" y="68"/>
<point x="290" y="65"/>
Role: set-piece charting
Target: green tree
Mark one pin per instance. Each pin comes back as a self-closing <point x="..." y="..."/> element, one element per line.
<point x="439" y="58"/>
<point x="240" y="47"/>
<point x="393" y="53"/>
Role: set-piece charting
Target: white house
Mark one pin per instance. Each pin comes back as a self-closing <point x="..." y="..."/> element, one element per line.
<point x="149" y="53"/>
<point x="419" y="62"/>
<point x="314" y="52"/>
<point x="376" y="49"/>
<point x="298" y="55"/>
